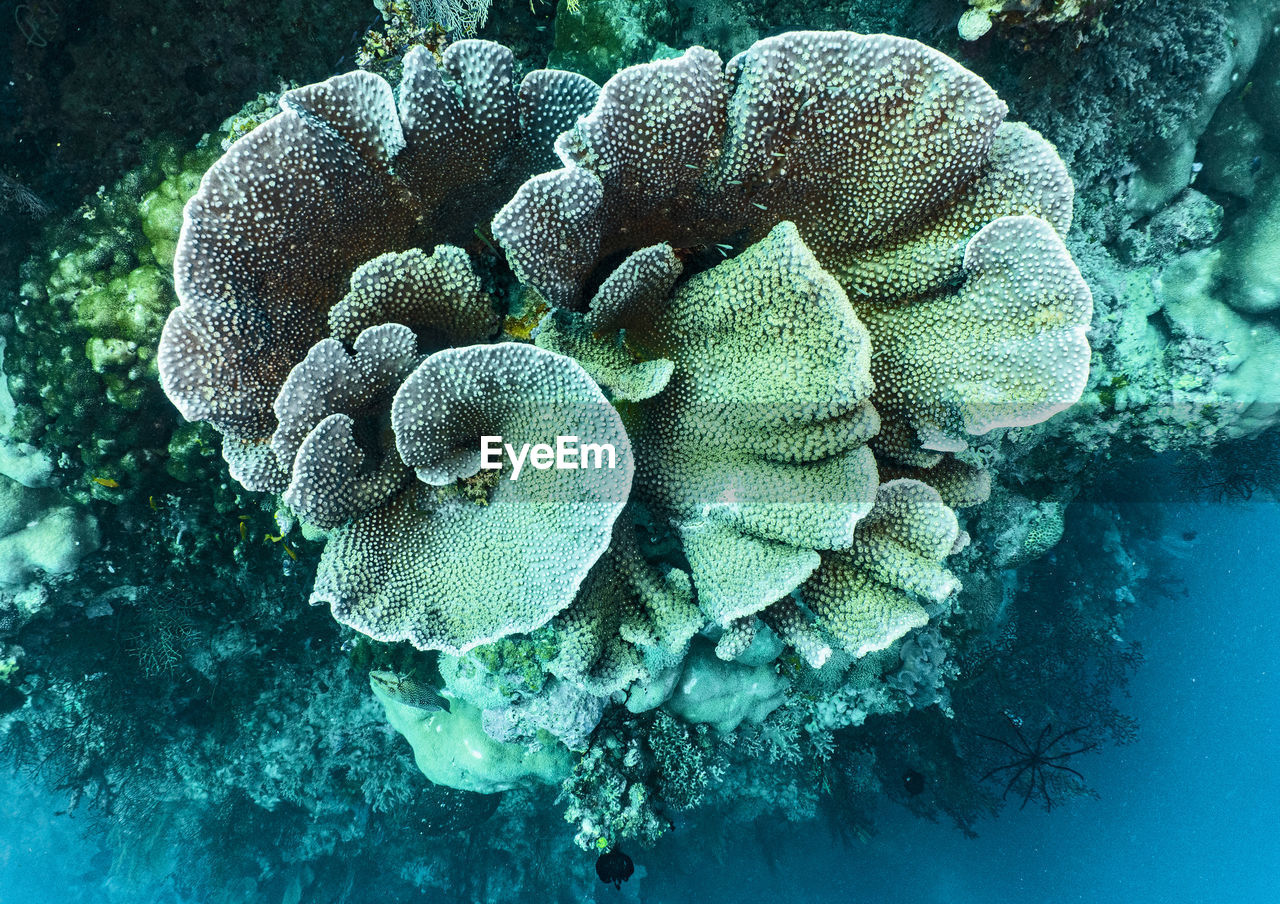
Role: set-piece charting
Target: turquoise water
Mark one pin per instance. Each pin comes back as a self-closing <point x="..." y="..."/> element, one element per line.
<point x="1184" y="815"/>
<point x="938" y="342"/>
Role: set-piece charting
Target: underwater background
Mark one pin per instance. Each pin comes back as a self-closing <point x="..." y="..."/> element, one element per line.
<point x="1077" y="705"/>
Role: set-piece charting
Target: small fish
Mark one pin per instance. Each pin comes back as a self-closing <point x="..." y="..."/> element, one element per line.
<point x="403" y="689"/>
<point x="293" y="555"/>
<point x="243" y="530"/>
<point x="107" y="482"/>
<point x="913" y="782"/>
<point x="486" y="241"/>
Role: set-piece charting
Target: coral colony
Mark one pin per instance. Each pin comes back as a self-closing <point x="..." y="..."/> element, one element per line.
<point x="672" y="442"/>
<point x="891" y="282"/>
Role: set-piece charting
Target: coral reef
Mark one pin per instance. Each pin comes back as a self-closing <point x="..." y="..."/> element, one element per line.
<point x="744" y="300"/>
<point x="229" y="293"/>
<point x="823" y="302"/>
<point x="84" y="390"/>
<point x="449" y="573"/>
<point x="724" y="694"/>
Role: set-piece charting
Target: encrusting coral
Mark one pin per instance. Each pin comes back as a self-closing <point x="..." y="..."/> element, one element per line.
<point x="777" y="295"/>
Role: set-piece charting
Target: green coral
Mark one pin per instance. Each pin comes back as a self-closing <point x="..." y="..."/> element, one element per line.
<point x="523" y="658"/>
<point x="869" y="596"/>
<point x="757" y="473"/>
<point x="607" y="360"/>
<point x="1107" y="394"/>
<point x="452" y="749"/>
<point x="251" y="115"/>
<point x="1007" y="349"/>
<point x="383" y="49"/>
<point x="193" y="453"/>
<point x="10" y="665"/>
<point x="82" y="346"/>
<point x="598" y="38"/>
<point x="449" y="574"/>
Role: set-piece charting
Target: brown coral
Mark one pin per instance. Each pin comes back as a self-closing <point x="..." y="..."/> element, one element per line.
<point x="344" y="169"/>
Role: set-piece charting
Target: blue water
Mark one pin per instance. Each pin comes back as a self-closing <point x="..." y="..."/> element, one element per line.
<point x="1188" y="814"/>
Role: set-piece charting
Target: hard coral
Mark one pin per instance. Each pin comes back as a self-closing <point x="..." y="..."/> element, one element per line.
<point x="873" y="207"/>
<point x="257" y="345"/>
<point x="756" y="450"/>
<point x="889" y="158"/>
<point x="447" y="572"/>
<point x="865" y="598"/>
<point x="80" y="344"/>
<point x="347" y="167"/>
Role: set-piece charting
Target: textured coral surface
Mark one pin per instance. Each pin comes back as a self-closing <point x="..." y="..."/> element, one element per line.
<point x="855" y="340"/>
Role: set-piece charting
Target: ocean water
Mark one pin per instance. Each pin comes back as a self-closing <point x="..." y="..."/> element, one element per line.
<point x="1184" y="815"/>
<point x="176" y="724"/>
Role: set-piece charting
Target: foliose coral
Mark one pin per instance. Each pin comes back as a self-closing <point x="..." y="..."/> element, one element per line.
<point x="748" y="285"/>
<point x="865" y="598"/>
<point x="449" y="154"/>
<point x="679" y="151"/>
<point x="756" y="474"/>
<point x="408" y="569"/>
